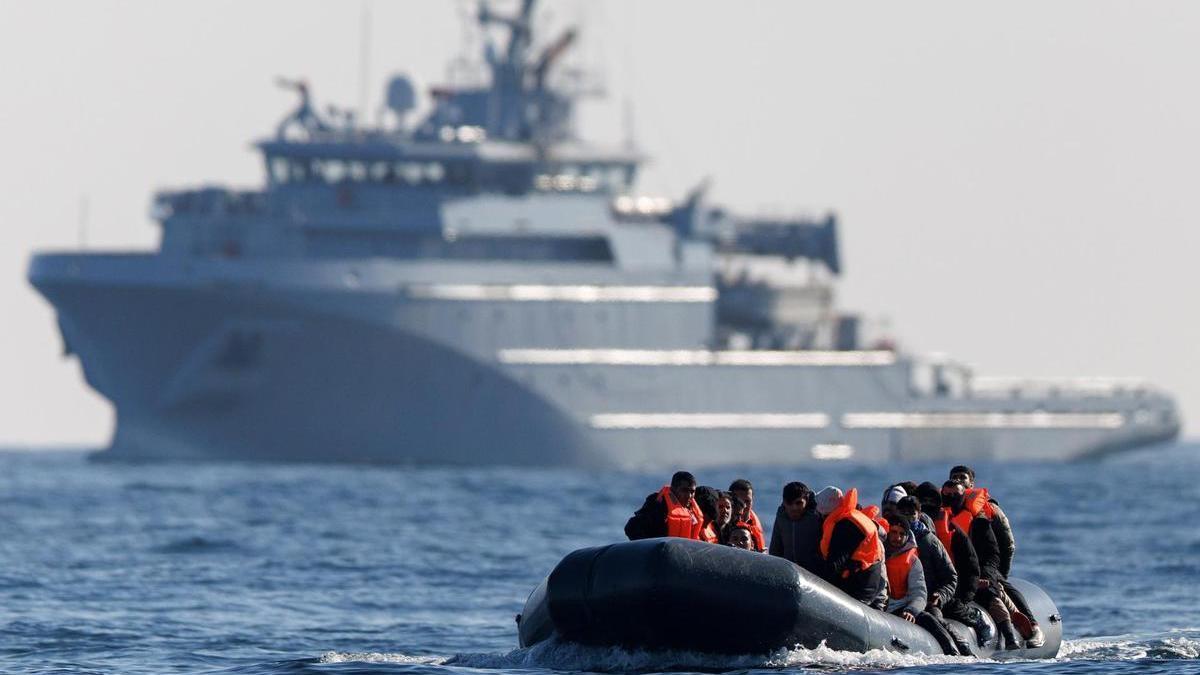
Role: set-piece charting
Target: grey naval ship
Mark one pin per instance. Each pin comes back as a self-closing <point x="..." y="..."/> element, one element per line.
<point x="470" y="282"/>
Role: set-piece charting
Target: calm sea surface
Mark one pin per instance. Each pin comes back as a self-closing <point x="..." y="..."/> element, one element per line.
<point x="188" y="568"/>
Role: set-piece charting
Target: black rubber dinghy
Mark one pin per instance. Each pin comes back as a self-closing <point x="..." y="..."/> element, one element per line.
<point x="689" y="595"/>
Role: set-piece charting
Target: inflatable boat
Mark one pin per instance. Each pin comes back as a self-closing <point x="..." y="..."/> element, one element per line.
<point x="689" y="595"/>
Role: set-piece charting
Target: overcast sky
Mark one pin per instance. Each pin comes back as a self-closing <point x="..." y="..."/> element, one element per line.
<point x="1015" y="181"/>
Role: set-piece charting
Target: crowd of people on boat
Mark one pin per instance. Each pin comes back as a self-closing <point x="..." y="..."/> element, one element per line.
<point x="925" y="553"/>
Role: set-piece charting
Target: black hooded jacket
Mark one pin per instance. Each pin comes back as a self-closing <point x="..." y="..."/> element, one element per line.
<point x="1004" y="538"/>
<point x="843" y="542"/>
<point x="798" y="540"/>
<point x="869" y="585"/>
<point x="986" y="548"/>
<point x="648" y="521"/>
<point x="966" y="563"/>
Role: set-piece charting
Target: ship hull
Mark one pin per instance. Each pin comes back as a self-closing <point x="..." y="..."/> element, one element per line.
<point x="201" y="369"/>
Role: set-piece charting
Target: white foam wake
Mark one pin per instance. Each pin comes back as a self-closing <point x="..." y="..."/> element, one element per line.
<point x="1181" y="644"/>
<point x="1177" y="644"/>
<point x="565" y="656"/>
<point x="380" y="657"/>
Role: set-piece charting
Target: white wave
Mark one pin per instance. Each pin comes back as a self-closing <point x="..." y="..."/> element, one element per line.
<point x="876" y="658"/>
<point x="380" y="657"/>
<point x="1176" y="644"/>
<point x="565" y="656"/>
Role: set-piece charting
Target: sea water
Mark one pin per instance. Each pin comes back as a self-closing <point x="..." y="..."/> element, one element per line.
<point x="266" y="569"/>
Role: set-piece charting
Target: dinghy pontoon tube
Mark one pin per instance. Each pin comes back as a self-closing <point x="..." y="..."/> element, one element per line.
<point x="690" y="595"/>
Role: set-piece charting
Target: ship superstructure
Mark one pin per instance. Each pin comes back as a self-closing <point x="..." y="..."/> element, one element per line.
<point x="479" y="285"/>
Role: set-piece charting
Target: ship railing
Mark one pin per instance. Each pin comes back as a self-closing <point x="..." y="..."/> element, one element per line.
<point x="1050" y="387"/>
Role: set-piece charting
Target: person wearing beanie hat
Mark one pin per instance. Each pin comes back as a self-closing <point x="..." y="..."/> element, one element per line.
<point x="828" y="499"/>
<point x="890" y="497"/>
<point x="851" y="548"/>
<point x="894" y="494"/>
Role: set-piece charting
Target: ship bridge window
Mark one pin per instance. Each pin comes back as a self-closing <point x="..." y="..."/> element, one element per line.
<point x="415" y="173"/>
<point x="288" y="170"/>
<point x="588" y="178"/>
<point x="381" y="172"/>
<point x="332" y="170"/>
<point x="409" y="172"/>
<point x="335" y="171"/>
<point x="279" y="170"/>
<point x="299" y="171"/>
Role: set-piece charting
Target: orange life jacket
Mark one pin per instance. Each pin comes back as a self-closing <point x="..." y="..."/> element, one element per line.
<point x="941" y="527"/>
<point x="682" y="521"/>
<point x="898" y="567"/>
<point x="973" y="505"/>
<point x="873" y="512"/>
<point x="980" y="496"/>
<point x="870" y="551"/>
<point x="709" y="533"/>
<point x="756" y="531"/>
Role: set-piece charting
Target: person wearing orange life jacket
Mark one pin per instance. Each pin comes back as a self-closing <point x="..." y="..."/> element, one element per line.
<point x="908" y="592"/>
<point x="737" y="517"/>
<point x="941" y="579"/>
<point x="970" y="515"/>
<point x="744" y="490"/>
<point x="851" y="548"/>
<point x="891" y="497"/>
<point x="670" y="512"/>
<point x="1002" y="528"/>
<point x="960" y="607"/>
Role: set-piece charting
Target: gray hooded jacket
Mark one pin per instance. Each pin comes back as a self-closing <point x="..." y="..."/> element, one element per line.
<point x="914" y="600"/>
<point x="941" y="579"/>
